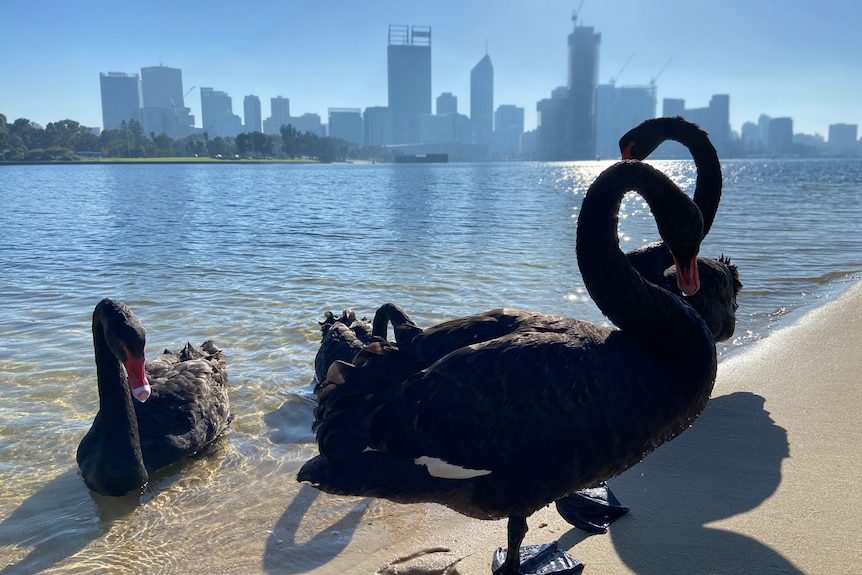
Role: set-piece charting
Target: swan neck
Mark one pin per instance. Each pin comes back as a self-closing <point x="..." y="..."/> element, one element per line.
<point x="115" y="399"/>
<point x="631" y="302"/>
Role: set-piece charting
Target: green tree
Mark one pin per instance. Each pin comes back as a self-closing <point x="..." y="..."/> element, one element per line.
<point x="290" y="141"/>
<point x="261" y="143"/>
<point x="243" y="143"/>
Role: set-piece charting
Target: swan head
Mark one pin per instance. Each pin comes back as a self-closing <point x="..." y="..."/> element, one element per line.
<point x="682" y="231"/>
<point x="642" y="140"/>
<point x="716" y="299"/>
<point x="126" y="339"/>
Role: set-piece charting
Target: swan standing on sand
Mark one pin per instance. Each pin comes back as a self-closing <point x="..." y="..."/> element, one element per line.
<point x="474" y="430"/>
<point x="181" y="406"/>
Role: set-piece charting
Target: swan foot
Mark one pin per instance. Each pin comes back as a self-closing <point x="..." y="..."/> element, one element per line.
<point x="591" y="510"/>
<point x="547" y="559"/>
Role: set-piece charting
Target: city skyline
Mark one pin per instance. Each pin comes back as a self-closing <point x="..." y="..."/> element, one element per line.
<point x="778" y="63"/>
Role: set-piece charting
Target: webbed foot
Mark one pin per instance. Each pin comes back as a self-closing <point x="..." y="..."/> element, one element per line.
<point x="591" y="510"/>
<point x="547" y="559"/>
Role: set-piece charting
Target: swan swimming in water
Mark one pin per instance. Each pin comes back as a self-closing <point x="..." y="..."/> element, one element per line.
<point x="474" y="429"/>
<point x="180" y="406"/>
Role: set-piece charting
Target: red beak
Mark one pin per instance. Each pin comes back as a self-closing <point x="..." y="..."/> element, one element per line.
<point x="687" y="277"/>
<point x="627" y="152"/>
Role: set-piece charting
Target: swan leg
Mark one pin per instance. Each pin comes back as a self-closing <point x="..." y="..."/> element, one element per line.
<point x="517" y="529"/>
<point x="591" y="510"/>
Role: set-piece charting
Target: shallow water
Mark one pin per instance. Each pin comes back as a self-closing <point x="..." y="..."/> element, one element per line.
<point x="252" y="255"/>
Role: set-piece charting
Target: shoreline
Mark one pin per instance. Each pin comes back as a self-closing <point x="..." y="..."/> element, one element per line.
<point x="763" y="481"/>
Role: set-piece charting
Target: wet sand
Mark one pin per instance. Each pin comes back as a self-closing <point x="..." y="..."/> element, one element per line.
<point x="767" y="480"/>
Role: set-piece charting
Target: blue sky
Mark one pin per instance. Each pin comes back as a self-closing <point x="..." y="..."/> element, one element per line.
<point x="789" y="58"/>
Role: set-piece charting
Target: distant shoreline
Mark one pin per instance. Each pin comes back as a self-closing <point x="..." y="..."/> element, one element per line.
<point x="176" y="160"/>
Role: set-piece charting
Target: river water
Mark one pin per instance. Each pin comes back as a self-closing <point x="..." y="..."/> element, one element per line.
<point x="252" y="255"/>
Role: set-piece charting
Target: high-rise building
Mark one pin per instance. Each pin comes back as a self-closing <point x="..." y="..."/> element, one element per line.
<point x="508" y="128"/>
<point x="552" y="133"/>
<point x="279" y="112"/>
<point x="251" y="113"/>
<point x="583" y="77"/>
<point x="217" y="114"/>
<point x="346" y="124"/>
<point x="714" y="120"/>
<point x="781" y="136"/>
<point x="121" y="99"/>
<point x="164" y="110"/>
<point x="308" y="122"/>
<point x="842" y="139"/>
<point x="673" y="107"/>
<point x="377" y="126"/>
<point x="409" y="80"/>
<point x="447" y="103"/>
<point x="619" y="109"/>
<point x="482" y="100"/>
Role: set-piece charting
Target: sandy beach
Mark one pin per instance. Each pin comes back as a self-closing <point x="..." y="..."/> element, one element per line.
<point x="766" y="481"/>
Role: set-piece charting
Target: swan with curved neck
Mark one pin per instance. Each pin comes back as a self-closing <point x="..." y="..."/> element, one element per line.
<point x="641" y="141"/>
<point x="475" y="429"/>
<point x="180" y="404"/>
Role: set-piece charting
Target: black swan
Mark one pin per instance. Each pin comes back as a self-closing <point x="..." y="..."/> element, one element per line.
<point x="474" y="430"/>
<point x="641" y="141"/>
<point x="342" y="337"/>
<point x="181" y="406"/>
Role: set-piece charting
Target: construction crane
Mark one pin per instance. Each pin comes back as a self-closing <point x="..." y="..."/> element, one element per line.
<point x="578" y="11"/>
<point x="614" y="78"/>
<point x="660" y="72"/>
<point x="189" y="92"/>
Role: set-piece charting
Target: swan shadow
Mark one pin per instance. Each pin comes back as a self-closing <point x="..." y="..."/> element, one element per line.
<point x="64" y="516"/>
<point x="728" y="463"/>
<point x="284" y="556"/>
<point x="291" y="424"/>
<point x="77" y="518"/>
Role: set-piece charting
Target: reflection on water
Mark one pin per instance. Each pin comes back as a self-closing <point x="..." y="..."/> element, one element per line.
<point x="251" y="256"/>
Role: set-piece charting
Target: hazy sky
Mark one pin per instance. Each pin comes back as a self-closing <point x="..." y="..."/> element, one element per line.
<point x="780" y="58"/>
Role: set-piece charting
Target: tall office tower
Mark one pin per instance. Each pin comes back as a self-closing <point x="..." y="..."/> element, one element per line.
<point x="377" y="126"/>
<point x="217" y="115"/>
<point x="164" y="110"/>
<point x="121" y="99"/>
<point x="583" y="77"/>
<point x="780" y="135"/>
<point x="447" y="103"/>
<point x="279" y="112"/>
<point x="482" y="100"/>
<point x="346" y="124"/>
<point x="673" y="107"/>
<point x="409" y="78"/>
<point x="842" y="139"/>
<point x="618" y="109"/>
<point x="251" y="113"/>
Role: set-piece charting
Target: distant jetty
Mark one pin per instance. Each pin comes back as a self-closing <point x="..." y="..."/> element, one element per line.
<point x="422" y="158"/>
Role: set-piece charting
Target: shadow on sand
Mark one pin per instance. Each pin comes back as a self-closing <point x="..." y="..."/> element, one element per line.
<point x="728" y="463"/>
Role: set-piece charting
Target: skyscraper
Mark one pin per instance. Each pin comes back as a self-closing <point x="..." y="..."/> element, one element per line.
<point x="346" y="124"/>
<point x="251" y="113"/>
<point x="583" y="76"/>
<point x="121" y="99"/>
<point x="447" y="103"/>
<point x="377" y="126"/>
<point x="164" y="111"/>
<point x="280" y="112"/>
<point x="482" y="100"/>
<point x="217" y="115"/>
<point x="409" y="79"/>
